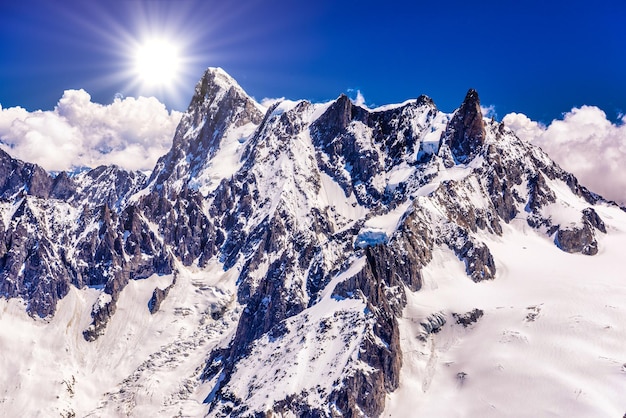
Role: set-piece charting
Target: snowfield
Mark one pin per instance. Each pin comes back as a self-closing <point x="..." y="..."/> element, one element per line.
<point x="550" y="343"/>
<point x="144" y="365"/>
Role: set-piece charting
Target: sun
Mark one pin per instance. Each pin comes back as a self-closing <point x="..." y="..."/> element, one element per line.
<point x="157" y="62"/>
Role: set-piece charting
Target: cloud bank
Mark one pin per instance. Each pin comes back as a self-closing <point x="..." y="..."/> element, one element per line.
<point x="131" y="132"/>
<point x="585" y="143"/>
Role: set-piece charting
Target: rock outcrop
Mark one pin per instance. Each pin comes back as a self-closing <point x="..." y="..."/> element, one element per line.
<point x="465" y="133"/>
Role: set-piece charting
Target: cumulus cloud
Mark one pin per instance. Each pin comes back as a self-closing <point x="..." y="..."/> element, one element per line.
<point x="131" y="132"/>
<point x="523" y="126"/>
<point x="586" y="143"/>
<point x="489" y="111"/>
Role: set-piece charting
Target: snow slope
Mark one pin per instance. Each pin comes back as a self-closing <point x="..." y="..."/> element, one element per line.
<point x="550" y="343"/>
<point x="144" y="364"/>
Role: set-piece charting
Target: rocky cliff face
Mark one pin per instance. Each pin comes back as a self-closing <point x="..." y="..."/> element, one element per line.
<point x="57" y="231"/>
<point x="465" y="134"/>
<point x="326" y="212"/>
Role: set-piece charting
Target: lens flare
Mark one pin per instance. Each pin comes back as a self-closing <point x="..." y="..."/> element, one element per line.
<point x="152" y="48"/>
<point x="157" y="62"/>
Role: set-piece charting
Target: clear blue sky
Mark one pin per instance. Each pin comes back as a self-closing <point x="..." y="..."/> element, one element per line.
<point x="537" y="57"/>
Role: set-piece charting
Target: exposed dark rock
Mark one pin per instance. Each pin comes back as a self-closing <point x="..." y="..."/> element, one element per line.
<point x="592" y="217"/>
<point x="19" y="177"/>
<point x="454" y="196"/>
<point x="100" y="316"/>
<point x="217" y="105"/>
<point x="413" y="240"/>
<point x="579" y="190"/>
<point x="267" y="220"/>
<point x="385" y="297"/>
<point x="158" y="296"/>
<point x="30" y="265"/>
<point x="468" y="318"/>
<point x="540" y="194"/>
<point x="581" y="239"/>
<point x="63" y="187"/>
<point x="478" y="260"/>
<point x="500" y="182"/>
<point x="479" y="263"/>
<point x="533" y="313"/>
<point x="108" y="185"/>
<point x="465" y="133"/>
<point x="360" y="395"/>
<point x="122" y="249"/>
<point x="3" y="246"/>
<point x="340" y="155"/>
<point x="296" y="404"/>
<point x="337" y="136"/>
<point x="182" y="224"/>
<point x="577" y="240"/>
<point x="102" y="248"/>
<point x="266" y="307"/>
<point x="461" y="377"/>
<point x="35" y="261"/>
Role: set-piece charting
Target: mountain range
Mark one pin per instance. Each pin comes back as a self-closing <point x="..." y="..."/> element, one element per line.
<point x="313" y="259"/>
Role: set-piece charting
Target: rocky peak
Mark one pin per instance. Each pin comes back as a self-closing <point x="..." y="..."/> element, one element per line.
<point x="63" y="187"/>
<point x="424" y="100"/>
<point x="219" y="106"/>
<point x="19" y="177"/>
<point x="110" y="185"/>
<point x="465" y="133"/>
<point x="212" y="88"/>
<point x="337" y="118"/>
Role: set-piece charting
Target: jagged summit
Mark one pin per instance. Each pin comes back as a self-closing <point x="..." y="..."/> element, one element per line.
<point x="220" y="109"/>
<point x="17" y="177"/>
<point x="217" y="76"/>
<point x="465" y="133"/>
<point x="214" y="83"/>
<point x="471" y="98"/>
<point x="286" y="261"/>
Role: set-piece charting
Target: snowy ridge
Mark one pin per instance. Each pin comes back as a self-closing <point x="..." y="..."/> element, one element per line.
<point x="313" y="260"/>
<point x="220" y="115"/>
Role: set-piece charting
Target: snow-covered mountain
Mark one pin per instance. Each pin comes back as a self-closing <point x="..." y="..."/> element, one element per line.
<point x="313" y="260"/>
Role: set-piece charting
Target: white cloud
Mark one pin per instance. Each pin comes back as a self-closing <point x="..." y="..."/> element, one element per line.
<point x="267" y="102"/>
<point x="360" y="99"/>
<point x="523" y="126"/>
<point x="489" y="111"/>
<point x="131" y="132"/>
<point x="585" y="143"/>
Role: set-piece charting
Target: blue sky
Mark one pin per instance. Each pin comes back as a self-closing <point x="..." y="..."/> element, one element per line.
<point x="535" y="57"/>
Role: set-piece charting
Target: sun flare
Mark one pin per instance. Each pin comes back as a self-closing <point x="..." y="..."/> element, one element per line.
<point x="157" y="62"/>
